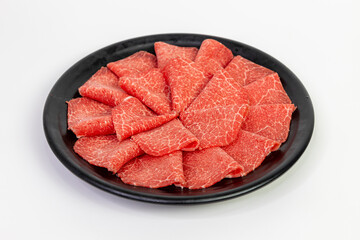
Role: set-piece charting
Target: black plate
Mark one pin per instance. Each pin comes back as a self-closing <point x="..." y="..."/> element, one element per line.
<point x="61" y="140"/>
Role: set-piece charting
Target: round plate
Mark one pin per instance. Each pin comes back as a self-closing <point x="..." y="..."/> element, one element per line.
<point x="62" y="140"/>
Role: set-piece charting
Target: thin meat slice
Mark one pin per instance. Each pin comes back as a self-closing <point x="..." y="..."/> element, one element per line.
<point x="245" y="71"/>
<point x="103" y="87"/>
<point x="150" y="88"/>
<point x="213" y="56"/>
<point x="131" y="117"/>
<point x="271" y="121"/>
<point x="186" y="80"/>
<point x="250" y="150"/>
<point x="216" y="126"/>
<point x="137" y="63"/>
<point x="206" y="167"/>
<point x="268" y="90"/>
<point x="107" y="151"/>
<point x="216" y="115"/>
<point x="222" y="90"/>
<point x="165" y="52"/>
<point x="167" y="138"/>
<point x="154" y="172"/>
<point x="87" y="117"/>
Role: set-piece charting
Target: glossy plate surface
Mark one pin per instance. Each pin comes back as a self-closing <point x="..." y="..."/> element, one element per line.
<point x="62" y="140"/>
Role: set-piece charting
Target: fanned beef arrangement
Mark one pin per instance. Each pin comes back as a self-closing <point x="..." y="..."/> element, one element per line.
<point x="186" y="117"/>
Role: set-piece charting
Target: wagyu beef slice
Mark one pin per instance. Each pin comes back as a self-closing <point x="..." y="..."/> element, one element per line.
<point x="107" y="151"/>
<point x="250" y="150"/>
<point x="244" y="71"/>
<point x="87" y="117"/>
<point x="206" y="167"/>
<point x="186" y="80"/>
<point x="167" y="138"/>
<point x="103" y="87"/>
<point x="150" y="88"/>
<point x="215" y="127"/>
<point x="222" y="90"/>
<point x="137" y="63"/>
<point x="268" y="90"/>
<point x="216" y="115"/>
<point x="213" y="56"/>
<point x="131" y="117"/>
<point x="165" y="52"/>
<point x="154" y="172"/>
<point x="271" y="121"/>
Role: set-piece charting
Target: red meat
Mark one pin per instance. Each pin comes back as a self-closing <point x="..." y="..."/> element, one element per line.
<point x="150" y="88"/>
<point x="186" y="80"/>
<point x="216" y="126"/>
<point x="271" y="121"/>
<point x="154" y="172"/>
<point x="233" y="113"/>
<point x="216" y="115"/>
<point x="206" y="167"/>
<point x="107" y="151"/>
<point x="137" y="63"/>
<point x="245" y="71"/>
<point x="167" y="138"/>
<point x="165" y="52"/>
<point x="268" y="90"/>
<point x="213" y="56"/>
<point x="87" y="117"/>
<point x="131" y="117"/>
<point x="250" y="150"/>
<point x="103" y="87"/>
<point x="222" y="90"/>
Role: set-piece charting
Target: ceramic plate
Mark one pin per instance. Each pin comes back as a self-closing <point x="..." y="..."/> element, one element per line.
<point x="62" y="140"/>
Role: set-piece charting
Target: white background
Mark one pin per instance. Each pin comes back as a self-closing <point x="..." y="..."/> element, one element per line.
<point x="318" y="198"/>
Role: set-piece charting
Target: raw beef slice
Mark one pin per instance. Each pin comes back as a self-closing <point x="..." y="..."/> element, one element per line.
<point x="222" y="90"/>
<point x="107" y="151"/>
<point x="137" y="63"/>
<point x="215" y="127"/>
<point x="213" y="56"/>
<point x="103" y="87"/>
<point x="154" y="172"/>
<point x="186" y="80"/>
<point x="167" y="138"/>
<point x="271" y="121"/>
<point x="165" y="52"/>
<point x="206" y="167"/>
<point x="268" y="90"/>
<point x="131" y="117"/>
<point x="150" y="88"/>
<point x="244" y="71"/>
<point x="216" y="115"/>
<point x="87" y="117"/>
<point x="250" y="150"/>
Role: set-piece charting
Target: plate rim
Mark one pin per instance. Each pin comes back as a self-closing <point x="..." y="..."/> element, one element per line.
<point x="153" y="198"/>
